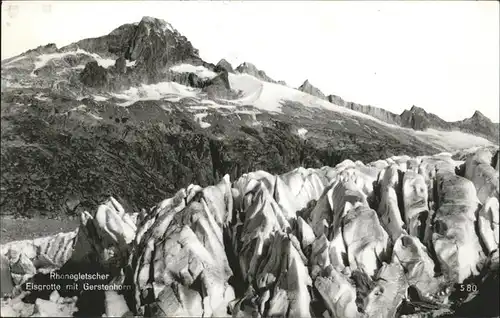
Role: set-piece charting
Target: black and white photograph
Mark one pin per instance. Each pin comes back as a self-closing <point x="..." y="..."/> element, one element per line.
<point x="330" y="159"/>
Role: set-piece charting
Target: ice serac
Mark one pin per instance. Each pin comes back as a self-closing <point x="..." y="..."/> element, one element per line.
<point x="305" y="185"/>
<point x="270" y="256"/>
<point x="311" y="242"/>
<point x="366" y="240"/>
<point x="180" y="267"/>
<point x="415" y="198"/>
<point x="320" y="256"/>
<point x="107" y="233"/>
<point x="337" y="293"/>
<point x="488" y="220"/>
<point x="478" y="169"/>
<point x="262" y="218"/>
<point x="454" y="239"/>
<point x="388" y="209"/>
<point x="388" y="293"/>
<point x="27" y="257"/>
<point x="333" y="205"/>
<point x="284" y="268"/>
<point x="418" y="265"/>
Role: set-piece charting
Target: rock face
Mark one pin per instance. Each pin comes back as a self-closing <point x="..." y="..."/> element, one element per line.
<point x="224" y="65"/>
<point x="155" y="44"/>
<point x="308" y="88"/>
<point x="479" y="124"/>
<point x="385" y="239"/>
<point x="251" y="69"/>
<point x="94" y="75"/>
<point x="376" y="112"/>
<point x="418" y="119"/>
<point x="218" y="86"/>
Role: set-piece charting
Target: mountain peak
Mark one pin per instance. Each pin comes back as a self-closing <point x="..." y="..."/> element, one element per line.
<point x="416" y="109"/>
<point x="224" y="65"/>
<point x="246" y="66"/>
<point x="251" y="69"/>
<point x="308" y="88"/>
<point x="156" y="44"/>
<point x="478" y="115"/>
<point x="160" y="24"/>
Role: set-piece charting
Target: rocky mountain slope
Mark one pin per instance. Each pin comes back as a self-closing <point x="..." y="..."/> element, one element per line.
<point x="138" y="114"/>
<point x="415" y="118"/>
<point x="400" y="237"/>
<point x="418" y="119"/>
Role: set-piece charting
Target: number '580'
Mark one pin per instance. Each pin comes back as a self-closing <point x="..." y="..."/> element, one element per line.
<point x="468" y="288"/>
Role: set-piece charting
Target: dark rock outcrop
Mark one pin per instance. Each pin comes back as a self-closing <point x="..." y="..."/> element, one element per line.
<point x="224" y="65"/>
<point x="376" y="112"/>
<point x="308" y="88"/>
<point x="94" y="75"/>
<point x="120" y="65"/>
<point x="480" y="125"/>
<point x="152" y="43"/>
<point x="44" y="49"/>
<point x="116" y="42"/>
<point x="218" y="86"/>
<point x="417" y="118"/>
<point x="251" y="69"/>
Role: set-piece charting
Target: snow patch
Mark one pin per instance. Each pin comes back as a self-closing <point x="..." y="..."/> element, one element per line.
<point x="199" y="119"/>
<point x="247" y="112"/>
<point x="130" y="63"/>
<point x="43" y="59"/>
<point x="215" y="105"/>
<point x="40" y="96"/>
<point x="79" y="108"/>
<point x="10" y="84"/>
<point x="252" y="113"/>
<point x="166" y="108"/>
<point x="99" y="98"/>
<point x="200" y="71"/>
<point x="195" y="108"/>
<point x="269" y="96"/>
<point x="302" y="132"/>
<point x="452" y="140"/>
<point x="95" y="116"/>
<point x="164" y="90"/>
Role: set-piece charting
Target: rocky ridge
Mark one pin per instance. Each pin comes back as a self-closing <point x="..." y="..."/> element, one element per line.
<point x="153" y="45"/>
<point x="418" y="119"/>
<point x="395" y="237"/>
<point x="308" y="88"/>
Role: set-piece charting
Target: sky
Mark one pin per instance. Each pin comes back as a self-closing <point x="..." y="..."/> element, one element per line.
<point x="442" y="56"/>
